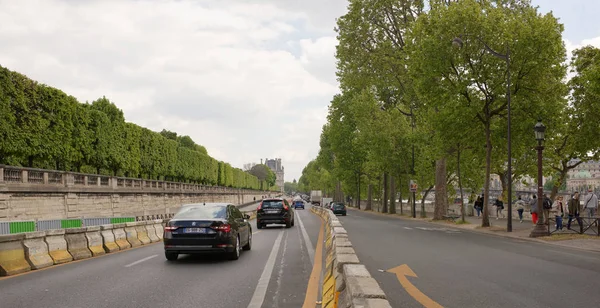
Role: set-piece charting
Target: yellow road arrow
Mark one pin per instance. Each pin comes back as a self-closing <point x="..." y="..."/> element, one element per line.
<point x="401" y="272"/>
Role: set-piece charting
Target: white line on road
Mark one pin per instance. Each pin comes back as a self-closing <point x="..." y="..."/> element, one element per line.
<point x="307" y="242"/>
<point x="140" y="261"/>
<point x="408" y="228"/>
<point x="261" y="288"/>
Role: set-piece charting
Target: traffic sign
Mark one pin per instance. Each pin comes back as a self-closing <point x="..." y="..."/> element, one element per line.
<point x="413" y="186"/>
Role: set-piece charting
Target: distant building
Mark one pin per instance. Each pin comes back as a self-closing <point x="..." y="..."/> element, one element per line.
<point x="275" y="166"/>
<point x="583" y="177"/>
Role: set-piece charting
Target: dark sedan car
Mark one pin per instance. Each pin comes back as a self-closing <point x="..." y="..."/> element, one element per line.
<point x="338" y="208"/>
<point x="274" y="211"/>
<point x="207" y="227"/>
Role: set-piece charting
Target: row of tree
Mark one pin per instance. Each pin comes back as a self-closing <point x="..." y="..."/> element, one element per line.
<point x="415" y="106"/>
<point x="43" y="127"/>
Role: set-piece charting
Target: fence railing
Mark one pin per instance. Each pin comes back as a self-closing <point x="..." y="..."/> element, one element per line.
<point x="21" y="178"/>
<point x="12" y="227"/>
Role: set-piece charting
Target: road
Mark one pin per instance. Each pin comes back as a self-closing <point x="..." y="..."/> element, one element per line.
<point x="459" y="268"/>
<point x="142" y="277"/>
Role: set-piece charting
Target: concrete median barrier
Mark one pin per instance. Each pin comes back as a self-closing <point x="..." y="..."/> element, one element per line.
<point x="57" y="246"/>
<point x="346" y="282"/>
<point x="94" y="239"/>
<point x="77" y="243"/>
<point x="131" y="234"/>
<point x="12" y="255"/>
<point x="108" y="238"/>
<point x="142" y="233"/>
<point x="120" y="236"/>
<point x="158" y="228"/>
<point x="36" y="250"/>
<point x="151" y="232"/>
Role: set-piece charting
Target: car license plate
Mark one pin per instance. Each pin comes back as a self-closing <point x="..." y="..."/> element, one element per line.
<point x="272" y="211"/>
<point x="195" y="230"/>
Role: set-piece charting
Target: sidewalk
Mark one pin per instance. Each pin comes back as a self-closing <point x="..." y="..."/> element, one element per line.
<point x="520" y="231"/>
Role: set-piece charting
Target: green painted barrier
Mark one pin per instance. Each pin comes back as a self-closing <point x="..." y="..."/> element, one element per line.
<point x="119" y="220"/>
<point x="70" y="223"/>
<point x="21" y="226"/>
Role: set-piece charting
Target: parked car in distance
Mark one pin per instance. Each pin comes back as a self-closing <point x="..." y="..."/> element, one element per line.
<point x="338" y="208"/>
<point x="207" y="227"/>
<point x="298" y="204"/>
<point x="274" y="211"/>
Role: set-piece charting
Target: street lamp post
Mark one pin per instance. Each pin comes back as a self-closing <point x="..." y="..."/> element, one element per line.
<point x="540" y="229"/>
<point x="506" y="57"/>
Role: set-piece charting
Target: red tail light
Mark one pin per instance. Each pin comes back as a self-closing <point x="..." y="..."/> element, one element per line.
<point x="285" y="207"/>
<point x="169" y="228"/>
<point x="259" y="206"/>
<point x="223" y="228"/>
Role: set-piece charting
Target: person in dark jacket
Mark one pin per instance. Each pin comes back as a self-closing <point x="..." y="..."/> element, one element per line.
<point x="574" y="211"/>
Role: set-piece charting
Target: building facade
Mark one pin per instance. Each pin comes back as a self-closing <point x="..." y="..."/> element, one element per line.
<point x="583" y="177"/>
<point x="275" y="166"/>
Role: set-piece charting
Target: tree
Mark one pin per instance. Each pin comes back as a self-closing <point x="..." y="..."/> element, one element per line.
<point x="467" y="87"/>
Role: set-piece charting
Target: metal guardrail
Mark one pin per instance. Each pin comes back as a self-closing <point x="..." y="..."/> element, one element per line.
<point x="12" y="227"/>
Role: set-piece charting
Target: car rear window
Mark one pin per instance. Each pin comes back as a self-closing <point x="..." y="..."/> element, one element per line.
<point x="278" y="204"/>
<point x="298" y="202"/>
<point x="202" y="212"/>
<point x="338" y="206"/>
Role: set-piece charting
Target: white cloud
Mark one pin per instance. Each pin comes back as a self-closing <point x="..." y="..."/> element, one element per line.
<point x="222" y="73"/>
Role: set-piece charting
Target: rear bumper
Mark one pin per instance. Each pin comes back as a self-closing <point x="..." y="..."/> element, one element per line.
<point x="272" y="220"/>
<point x="193" y="249"/>
<point x="339" y="212"/>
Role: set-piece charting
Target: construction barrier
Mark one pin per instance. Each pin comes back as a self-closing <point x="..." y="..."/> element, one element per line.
<point x="77" y="243"/>
<point x="57" y="246"/>
<point x="12" y="255"/>
<point x="36" y="250"/>
<point x="108" y="238"/>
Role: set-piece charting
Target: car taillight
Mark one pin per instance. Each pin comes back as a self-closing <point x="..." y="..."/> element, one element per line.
<point x="285" y="207"/>
<point x="222" y="228"/>
<point x="259" y="206"/>
<point x="169" y="228"/>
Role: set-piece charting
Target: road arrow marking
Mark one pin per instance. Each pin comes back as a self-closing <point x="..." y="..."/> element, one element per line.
<point x="401" y="272"/>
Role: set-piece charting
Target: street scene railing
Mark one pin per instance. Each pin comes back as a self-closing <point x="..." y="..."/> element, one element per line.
<point x="15" y="179"/>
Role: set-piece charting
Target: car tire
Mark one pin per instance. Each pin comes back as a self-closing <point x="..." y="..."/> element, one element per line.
<point x="258" y="225"/>
<point x="293" y="221"/>
<point x="235" y="254"/>
<point x="171" y="256"/>
<point x="344" y="214"/>
<point x="288" y="224"/>
<point x="249" y="245"/>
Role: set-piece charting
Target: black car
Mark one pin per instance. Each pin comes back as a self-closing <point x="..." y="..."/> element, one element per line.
<point x="207" y="227"/>
<point x="274" y="211"/>
<point x="338" y="208"/>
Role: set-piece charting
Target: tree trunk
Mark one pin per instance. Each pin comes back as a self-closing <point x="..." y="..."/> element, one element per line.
<point x="423" y="213"/>
<point x="462" y="205"/>
<point x="558" y="183"/>
<point x="440" y="190"/>
<point x="369" y="198"/>
<point x="400" y="197"/>
<point x="485" y="220"/>
<point x="384" y="207"/>
<point x="392" y="195"/>
<point x="30" y="161"/>
<point x="358" y="193"/>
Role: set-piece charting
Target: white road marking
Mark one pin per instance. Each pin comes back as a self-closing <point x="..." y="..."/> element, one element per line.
<point x="307" y="242"/>
<point x="140" y="261"/>
<point x="408" y="228"/>
<point x="261" y="288"/>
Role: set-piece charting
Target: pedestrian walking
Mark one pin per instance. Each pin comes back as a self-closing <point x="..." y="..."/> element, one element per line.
<point x="574" y="211"/>
<point x="533" y="209"/>
<point x="590" y="203"/>
<point x="558" y="211"/>
<point x="499" y="207"/>
<point x="520" y="204"/>
<point x="478" y="206"/>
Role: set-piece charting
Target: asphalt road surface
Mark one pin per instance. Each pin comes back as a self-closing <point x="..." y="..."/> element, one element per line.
<point x="142" y="277"/>
<point x="458" y="268"/>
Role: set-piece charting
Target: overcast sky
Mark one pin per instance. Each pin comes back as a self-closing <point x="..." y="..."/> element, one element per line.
<point x="247" y="79"/>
